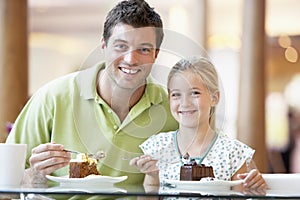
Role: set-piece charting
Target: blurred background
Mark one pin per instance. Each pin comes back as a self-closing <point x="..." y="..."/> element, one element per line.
<point x="64" y="34"/>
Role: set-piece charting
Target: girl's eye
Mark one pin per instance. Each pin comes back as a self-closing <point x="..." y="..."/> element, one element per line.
<point x="195" y="93"/>
<point x="175" y="95"/>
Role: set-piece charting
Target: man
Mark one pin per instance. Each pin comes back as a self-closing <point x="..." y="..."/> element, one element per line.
<point x="112" y="107"/>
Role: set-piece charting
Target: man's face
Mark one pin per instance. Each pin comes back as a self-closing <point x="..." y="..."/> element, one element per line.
<point x="129" y="54"/>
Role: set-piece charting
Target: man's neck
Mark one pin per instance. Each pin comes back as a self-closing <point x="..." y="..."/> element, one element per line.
<point x="119" y="99"/>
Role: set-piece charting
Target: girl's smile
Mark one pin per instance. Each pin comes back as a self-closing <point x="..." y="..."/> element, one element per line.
<point x="190" y="100"/>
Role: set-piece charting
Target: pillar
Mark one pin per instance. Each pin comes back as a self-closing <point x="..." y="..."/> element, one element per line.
<point x="13" y="61"/>
<point x="198" y="24"/>
<point x="251" y="113"/>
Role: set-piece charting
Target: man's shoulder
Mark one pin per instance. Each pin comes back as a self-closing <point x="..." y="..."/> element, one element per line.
<point x="68" y="82"/>
<point x="59" y="84"/>
<point x="156" y="92"/>
<point x="156" y="85"/>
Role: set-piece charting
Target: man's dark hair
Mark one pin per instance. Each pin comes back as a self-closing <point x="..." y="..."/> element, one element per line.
<point x="136" y="13"/>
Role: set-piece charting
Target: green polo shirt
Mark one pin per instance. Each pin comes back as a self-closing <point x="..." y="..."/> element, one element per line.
<point x="69" y="111"/>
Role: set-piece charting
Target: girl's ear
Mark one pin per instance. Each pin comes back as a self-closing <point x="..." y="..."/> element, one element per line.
<point x="215" y="98"/>
<point x="103" y="44"/>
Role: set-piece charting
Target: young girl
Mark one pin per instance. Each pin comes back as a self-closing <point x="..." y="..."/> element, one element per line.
<point x="193" y="95"/>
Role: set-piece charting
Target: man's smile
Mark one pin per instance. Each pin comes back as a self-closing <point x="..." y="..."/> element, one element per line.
<point x="129" y="71"/>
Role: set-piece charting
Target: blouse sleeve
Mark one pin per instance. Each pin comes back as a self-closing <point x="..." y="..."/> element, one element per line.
<point x="158" y="146"/>
<point x="241" y="154"/>
<point x="228" y="156"/>
<point x="148" y="147"/>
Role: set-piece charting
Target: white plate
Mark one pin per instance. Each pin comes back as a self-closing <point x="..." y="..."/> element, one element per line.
<point x="204" y="185"/>
<point x="94" y="180"/>
<point x="86" y="189"/>
<point x="284" y="182"/>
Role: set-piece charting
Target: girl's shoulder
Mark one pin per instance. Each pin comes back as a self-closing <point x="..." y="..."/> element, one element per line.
<point x="223" y="137"/>
<point x="230" y="142"/>
<point x="166" y="134"/>
<point x="163" y="137"/>
<point x="157" y="142"/>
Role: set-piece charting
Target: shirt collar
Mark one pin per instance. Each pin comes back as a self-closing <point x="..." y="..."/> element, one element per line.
<point x="86" y="82"/>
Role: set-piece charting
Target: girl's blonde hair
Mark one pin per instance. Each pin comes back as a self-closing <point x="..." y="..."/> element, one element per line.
<point x="203" y="67"/>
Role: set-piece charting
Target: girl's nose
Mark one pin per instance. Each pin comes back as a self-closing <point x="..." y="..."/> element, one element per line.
<point x="185" y="100"/>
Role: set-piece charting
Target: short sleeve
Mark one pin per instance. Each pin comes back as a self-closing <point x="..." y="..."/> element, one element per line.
<point x="148" y="147"/>
<point x="228" y="156"/>
<point x="157" y="145"/>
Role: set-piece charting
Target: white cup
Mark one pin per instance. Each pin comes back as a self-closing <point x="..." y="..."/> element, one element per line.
<point x="12" y="158"/>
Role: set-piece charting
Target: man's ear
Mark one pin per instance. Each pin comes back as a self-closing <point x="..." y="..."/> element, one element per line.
<point x="215" y="98"/>
<point x="103" y="44"/>
<point x="156" y="53"/>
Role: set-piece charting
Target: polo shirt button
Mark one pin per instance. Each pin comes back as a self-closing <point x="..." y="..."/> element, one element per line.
<point x="109" y="111"/>
<point x="115" y="126"/>
<point x="97" y="100"/>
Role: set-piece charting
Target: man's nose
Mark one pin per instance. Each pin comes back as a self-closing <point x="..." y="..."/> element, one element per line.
<point x="131" y="57"/>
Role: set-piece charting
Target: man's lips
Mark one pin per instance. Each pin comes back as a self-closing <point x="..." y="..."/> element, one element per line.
<point x="129" y="71"/>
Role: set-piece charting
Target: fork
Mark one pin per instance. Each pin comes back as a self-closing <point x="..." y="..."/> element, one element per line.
<point x="72" y="151"/>
<point x="165" y="161"/>
<point x="97" y="156"/>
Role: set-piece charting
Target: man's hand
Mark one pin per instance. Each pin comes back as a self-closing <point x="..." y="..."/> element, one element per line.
<point x="47" y="158"/>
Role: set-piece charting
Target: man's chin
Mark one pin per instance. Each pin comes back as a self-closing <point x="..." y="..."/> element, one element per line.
<point x="131" y="84"/>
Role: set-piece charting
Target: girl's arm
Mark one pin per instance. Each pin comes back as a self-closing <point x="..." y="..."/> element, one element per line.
<point x="252" y="179"/>
<point x="147" y="165"/>
<point x="152" y="179"/>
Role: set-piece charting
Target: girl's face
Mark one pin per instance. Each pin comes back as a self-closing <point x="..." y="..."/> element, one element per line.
<point x="190" y="100"/>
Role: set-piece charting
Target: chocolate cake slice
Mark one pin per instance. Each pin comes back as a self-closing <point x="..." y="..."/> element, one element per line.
<point x="194" y="172"/>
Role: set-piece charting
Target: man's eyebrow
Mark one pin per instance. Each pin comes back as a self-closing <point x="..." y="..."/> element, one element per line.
<point x="147" y="44"/>
<point x="119" y="40"/>
<point x="142" y="44"/>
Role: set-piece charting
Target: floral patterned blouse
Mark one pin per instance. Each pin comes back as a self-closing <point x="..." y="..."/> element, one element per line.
<point x="225" y="155"/>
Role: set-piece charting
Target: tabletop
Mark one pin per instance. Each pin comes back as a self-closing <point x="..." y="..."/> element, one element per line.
<point x="56" y="190"/>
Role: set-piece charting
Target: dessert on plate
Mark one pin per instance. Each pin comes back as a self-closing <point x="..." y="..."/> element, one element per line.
<point x="83" y="166"/>
<point x="192" y="171"/>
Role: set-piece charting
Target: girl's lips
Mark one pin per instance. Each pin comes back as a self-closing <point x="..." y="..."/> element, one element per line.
<point x="187" y="112"/>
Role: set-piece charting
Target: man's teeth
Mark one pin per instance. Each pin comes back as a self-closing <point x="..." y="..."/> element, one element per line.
<point x="129" y="71"/>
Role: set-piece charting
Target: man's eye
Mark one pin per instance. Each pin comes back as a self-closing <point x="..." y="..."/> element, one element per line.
<point x="144" y="50"/>
<point x="121" y="47"/>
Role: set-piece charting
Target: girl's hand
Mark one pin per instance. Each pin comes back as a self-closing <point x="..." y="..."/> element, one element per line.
<point x="145" y="164"/>
<point x="253" y="180"/>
